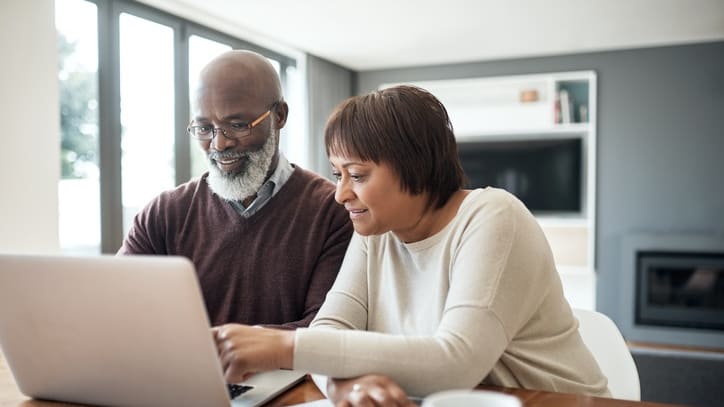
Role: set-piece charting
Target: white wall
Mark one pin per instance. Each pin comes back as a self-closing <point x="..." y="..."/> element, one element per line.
<point x="30" y="130"/>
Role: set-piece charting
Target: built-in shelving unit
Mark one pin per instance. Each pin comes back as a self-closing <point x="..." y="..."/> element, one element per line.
<point x="526" y="118"/>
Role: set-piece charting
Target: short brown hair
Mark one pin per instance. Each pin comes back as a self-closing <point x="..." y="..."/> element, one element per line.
<point x="405" y="127"/>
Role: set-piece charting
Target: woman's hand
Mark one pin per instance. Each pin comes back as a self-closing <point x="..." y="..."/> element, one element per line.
<point x="245" y="349"/>
<point x="368" y="390"/>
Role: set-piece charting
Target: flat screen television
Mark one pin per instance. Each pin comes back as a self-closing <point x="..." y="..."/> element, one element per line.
<point x="546" y="175"/>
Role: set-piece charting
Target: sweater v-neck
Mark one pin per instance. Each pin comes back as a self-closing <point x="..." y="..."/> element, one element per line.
<point x="286" y="192"/>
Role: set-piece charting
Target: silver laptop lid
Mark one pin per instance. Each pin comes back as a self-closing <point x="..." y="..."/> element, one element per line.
<point x="125" y="331"/>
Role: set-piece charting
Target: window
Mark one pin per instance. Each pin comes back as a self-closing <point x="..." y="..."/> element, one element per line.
<point x="78" y="189"/>
<point x="126" y="71"/>
<point x="147" y="112"/>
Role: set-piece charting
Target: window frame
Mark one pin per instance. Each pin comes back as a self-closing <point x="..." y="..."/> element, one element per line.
<point x="109" y="100"/>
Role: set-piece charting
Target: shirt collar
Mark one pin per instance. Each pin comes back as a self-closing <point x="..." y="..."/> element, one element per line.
<point x="270" y="188"/>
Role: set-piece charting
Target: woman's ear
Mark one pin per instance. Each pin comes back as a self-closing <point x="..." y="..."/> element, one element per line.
<point x="281" y="113"/>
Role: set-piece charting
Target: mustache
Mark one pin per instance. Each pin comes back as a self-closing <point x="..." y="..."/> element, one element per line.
<point x="225" y="155"/>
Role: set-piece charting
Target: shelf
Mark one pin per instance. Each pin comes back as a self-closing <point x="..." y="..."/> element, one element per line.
<point x="561" y="221"/>
<point x="574" y="271"/>
<point x="547" y="132"/>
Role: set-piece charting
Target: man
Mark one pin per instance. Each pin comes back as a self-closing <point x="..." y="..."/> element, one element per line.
<point x="266" y="236"/>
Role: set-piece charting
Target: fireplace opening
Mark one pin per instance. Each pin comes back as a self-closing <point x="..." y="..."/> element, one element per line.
<point x="680" y="289"/>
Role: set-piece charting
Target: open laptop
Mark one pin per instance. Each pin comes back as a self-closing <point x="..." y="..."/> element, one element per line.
<point x="116" y="330"/>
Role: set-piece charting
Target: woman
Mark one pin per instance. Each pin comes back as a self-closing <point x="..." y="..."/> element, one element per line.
<point x="441" y="287"/>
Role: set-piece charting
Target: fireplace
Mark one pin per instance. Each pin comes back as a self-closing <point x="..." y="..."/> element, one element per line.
<point x="672" y="290"/>
<point x="682" y="289"/>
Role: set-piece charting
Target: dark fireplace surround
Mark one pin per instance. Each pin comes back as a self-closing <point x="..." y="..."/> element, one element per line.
<point x="671" y="289"/>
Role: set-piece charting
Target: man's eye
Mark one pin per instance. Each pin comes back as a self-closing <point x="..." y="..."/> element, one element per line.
<point x="239" y="126"/>
<point x="203" y="129"/>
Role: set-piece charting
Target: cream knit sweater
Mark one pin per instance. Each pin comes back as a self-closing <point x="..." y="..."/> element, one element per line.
<point x="480" y="301"/>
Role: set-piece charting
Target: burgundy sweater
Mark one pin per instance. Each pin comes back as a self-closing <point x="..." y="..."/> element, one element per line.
<point x="273" y="268"/>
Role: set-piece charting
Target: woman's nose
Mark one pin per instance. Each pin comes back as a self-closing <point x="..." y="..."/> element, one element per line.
<point x="343" y="193"/>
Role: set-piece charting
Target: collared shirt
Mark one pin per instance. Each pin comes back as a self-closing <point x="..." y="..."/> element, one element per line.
<point x="270" y="188"/>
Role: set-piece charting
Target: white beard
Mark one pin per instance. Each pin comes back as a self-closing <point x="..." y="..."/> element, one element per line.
<point x="247" y="181"/>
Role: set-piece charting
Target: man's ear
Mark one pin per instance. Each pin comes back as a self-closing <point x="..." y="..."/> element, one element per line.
<point x="281" y="113"/>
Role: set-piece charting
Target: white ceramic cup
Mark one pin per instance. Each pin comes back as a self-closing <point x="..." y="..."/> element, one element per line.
<point x="470" y="398"/>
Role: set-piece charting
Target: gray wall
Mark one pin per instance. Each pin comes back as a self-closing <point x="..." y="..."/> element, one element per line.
<point x="328" y="85"/>
<point x="660" y="141"/>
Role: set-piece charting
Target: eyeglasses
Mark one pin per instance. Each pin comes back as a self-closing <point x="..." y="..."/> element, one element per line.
<point x="234" y="131"/>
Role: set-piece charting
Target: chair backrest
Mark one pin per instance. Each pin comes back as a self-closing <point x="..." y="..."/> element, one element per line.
<point x="606" y="343"/>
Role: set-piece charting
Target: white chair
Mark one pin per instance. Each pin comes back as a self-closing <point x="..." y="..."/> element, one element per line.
<point x="609" y="349"/>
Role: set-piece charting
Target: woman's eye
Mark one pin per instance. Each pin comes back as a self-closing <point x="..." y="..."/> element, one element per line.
<point x="356" y="178"/>
<point x="337" y="175"/>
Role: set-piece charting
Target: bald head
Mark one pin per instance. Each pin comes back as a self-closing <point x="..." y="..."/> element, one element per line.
<point x="242" y="75"/>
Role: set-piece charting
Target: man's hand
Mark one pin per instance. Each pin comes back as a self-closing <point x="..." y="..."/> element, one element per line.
<point x="368" y="390"/>
<point x="245" y="349"/>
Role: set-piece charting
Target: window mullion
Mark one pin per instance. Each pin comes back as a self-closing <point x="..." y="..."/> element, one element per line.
<point x="109" y="127"/>
<point x="181" y="116"/>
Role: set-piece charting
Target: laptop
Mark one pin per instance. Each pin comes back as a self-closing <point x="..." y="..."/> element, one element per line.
<point x="116" y="331"/>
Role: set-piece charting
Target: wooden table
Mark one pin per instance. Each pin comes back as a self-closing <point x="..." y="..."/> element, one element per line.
<point x="305" y="391"/>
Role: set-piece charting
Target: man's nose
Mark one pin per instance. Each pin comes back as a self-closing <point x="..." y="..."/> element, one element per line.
<point x="220" y="142"/>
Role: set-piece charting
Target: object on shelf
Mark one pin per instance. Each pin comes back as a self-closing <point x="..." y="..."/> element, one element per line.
<point x="528" y="95"/>
<point x="583" y="114"/>
<point x="566" y="106"/>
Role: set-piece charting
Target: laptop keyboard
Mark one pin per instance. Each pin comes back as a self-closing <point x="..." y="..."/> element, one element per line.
<point x="236" y="390"/>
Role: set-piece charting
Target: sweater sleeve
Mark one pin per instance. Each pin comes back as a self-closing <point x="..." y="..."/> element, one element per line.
<point x="415" y="362"/>
<point x="468" y="341"/>
<point x="145" y="235"/>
